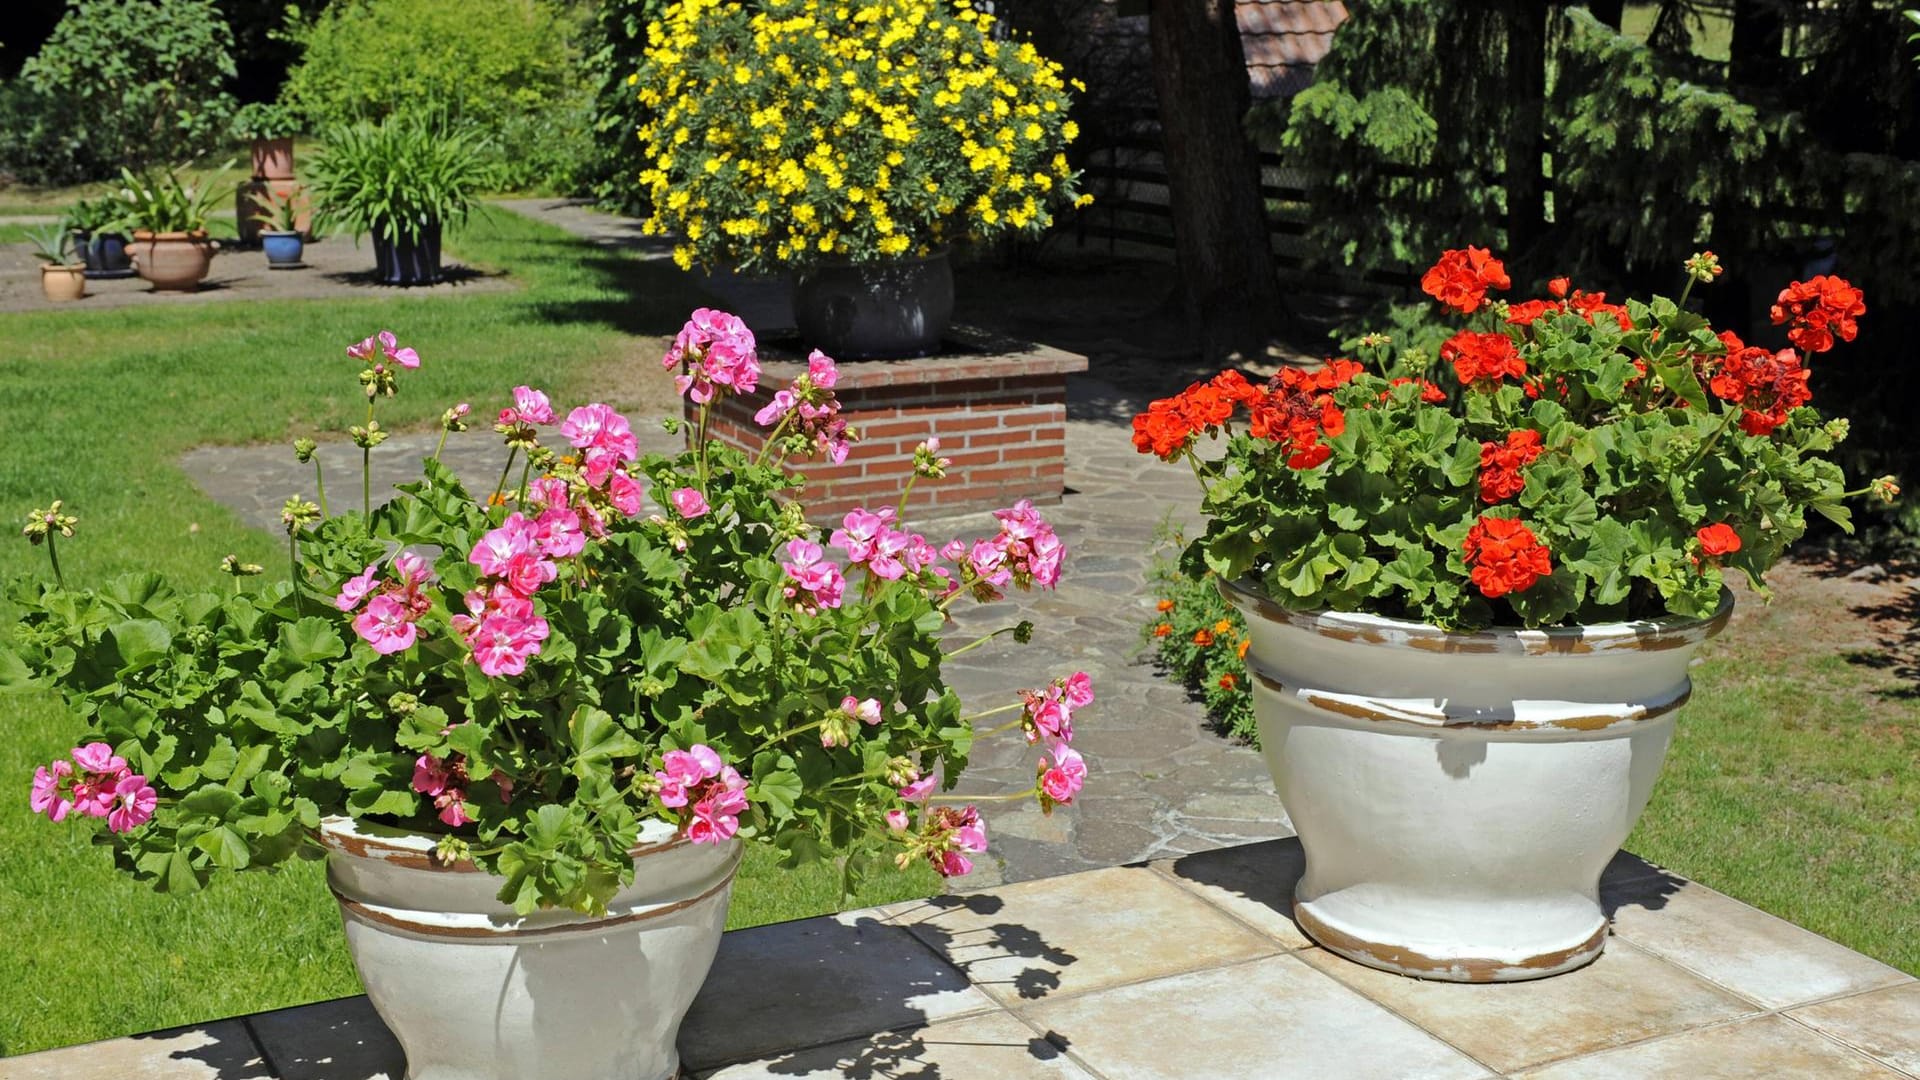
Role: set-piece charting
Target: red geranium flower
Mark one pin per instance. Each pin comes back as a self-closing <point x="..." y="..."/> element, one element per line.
<point x="1478" y="357"/>
<point x="1718" y="539"/>
<point x="1767" y="385"/>
<point x="1525" y="312"/>
<point x="1460" y="279"/>
<point x="1429" y="393"/>
<point x="1297" y="408"/>
<point x="1500" y="465"/>
<point x="1819" y="310"/>
<point x="1505" y="556"/>
<point x="1559" y="286"/>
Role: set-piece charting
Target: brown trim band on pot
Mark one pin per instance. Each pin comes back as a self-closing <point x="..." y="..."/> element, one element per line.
<point x="1673" y="632"/>
<point x="1361" y="707"/>
<point x="1466" y="969"/>
<point x="490" y="933"/>
<point x="389" y="853"/>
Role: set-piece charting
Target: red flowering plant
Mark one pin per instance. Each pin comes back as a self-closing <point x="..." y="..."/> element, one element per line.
<point x="531" y="670"/>
<point x="1562" y="460"/>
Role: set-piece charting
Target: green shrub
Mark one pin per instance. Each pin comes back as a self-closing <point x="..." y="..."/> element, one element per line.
<point x="1199" y="641"/>
<point x="617" y="49"/>
<point x="512" y="68"/>
<point x="398" y="176"/>
<point x="119" y="83"/>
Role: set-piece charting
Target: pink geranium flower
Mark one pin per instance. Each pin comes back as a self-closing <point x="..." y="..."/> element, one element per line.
<point x="355" y="589"/>
<point x="503" y="643"/>
<point x="919" y="789"/>
<point x="689" y="502"/>
<point x="897" y="820"/>
<point x="713" y="349"/>
<point x="47" y="797"/>
<point x="133" y="804"/>
<point x="530" y="406"/>
<point x="867" y="712"/>
<point x="98" y="757"/>
<point x="599" y="427"/>
<point x="1062" y="778"/>
<point x="816" y="582"/>
<point x="560" y="534"/>
<point x="430" y="775"/>
<point x="386" y="625"/>
<point x="453" y="807"/>
<point x="625" y="493"/>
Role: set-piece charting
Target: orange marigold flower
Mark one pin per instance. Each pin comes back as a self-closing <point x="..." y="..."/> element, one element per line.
<point x="1163" y="630"/>
<point x="1818" y="310"/>
<point x="1203" y="637"/>
<point x="1505" y="556"/>
<point x="1482" y="357"/>
<point x="1228" y="682"/>
<point x="1224" y="626"/>
<point x="1241" y="650"/>
<point x="1461" y="278"/>
<point x="1500" y="465"/>
<point x="1718" y="539"/>
<point x="1164" y="605"/>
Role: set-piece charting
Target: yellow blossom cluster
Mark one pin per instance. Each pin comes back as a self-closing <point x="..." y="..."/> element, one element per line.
<point x="788" y="132"/>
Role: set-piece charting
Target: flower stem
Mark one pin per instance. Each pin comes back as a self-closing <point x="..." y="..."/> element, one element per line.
<point x="1027" y="794"/>
<point x="366" y="470"/>
<point x="293" y="564"/>
<point x="981" y="641"/>
<point x="320" y="482"/>
<point x="1194" y="460"/>
<point x="995" y="711"/>
<point x="900" y="508"/>
<point x="499" y="489"/>
<point x="785" y="735"/>
<point x="526" y="470"/>
<point x="773" y="438"/>
<point x="442" y="444"/>
<point x="54" y="557"/>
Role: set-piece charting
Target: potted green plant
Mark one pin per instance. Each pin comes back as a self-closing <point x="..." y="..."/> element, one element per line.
<point x="61" y="278"/>
<point x="1472" y="584"/>
<point x="99" y="236"/>
<point x="277" y="218"/>
<point x="169" y="220"/>
<point x="402" y="180"/>
<point x="806" y="154"/>
<point x="530" y="725"/>
<point x="270" y="128"/>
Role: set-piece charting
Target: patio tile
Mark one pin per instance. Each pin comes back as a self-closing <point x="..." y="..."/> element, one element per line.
<point x="815" y="981"/>
<point x="1267" y="1018"/>
<point x="218" y="1051"/>
<point x="1754" y="954"/>
<point x="1884" y="1023"/>
<point x="332" y="1040"/>
<point x="1768" y="1046"/>
<point x="993" y="1046"/>
<point x="1623" y="997"/>
<point x="1252" y="882"/>
<point x="1081" y="932"/>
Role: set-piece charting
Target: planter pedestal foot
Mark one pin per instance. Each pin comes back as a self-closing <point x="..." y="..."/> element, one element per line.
<point x="1457" y="964"/>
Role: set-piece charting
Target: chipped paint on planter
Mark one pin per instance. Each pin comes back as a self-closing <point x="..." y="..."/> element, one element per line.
<point x="475" y="991"/>
<point x="1459" y="795"/>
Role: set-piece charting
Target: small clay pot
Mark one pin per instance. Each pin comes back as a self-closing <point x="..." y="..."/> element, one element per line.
<point x="63" y="283"/>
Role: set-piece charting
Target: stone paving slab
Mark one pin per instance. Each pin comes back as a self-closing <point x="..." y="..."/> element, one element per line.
<point x="335" y="269"/>
<point x="1185" y="969"/>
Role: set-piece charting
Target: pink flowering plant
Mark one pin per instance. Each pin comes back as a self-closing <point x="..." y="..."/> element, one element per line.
<point x="531" y="671"/>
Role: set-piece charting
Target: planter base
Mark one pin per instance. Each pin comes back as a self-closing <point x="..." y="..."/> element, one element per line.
<point x="1402" y="959"/>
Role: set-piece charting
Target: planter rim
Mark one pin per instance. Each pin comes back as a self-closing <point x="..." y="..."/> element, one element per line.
<point x="279" y="232"/>
<point x="1640" y="635"/>
<point x="890" y="260"/>
<point x="149" y="236"/>
<point x="67" y="267"/>
<point x="414" y="850"/>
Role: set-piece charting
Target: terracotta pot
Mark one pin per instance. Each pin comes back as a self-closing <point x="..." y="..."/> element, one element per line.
<point x="875" y="311"/>
<point x="173" y="262"/>
<point x="63" y="283"/>
<point x="273" y="159"/>
<point x="474" y="991"/>
<point x="1458" y="794"/>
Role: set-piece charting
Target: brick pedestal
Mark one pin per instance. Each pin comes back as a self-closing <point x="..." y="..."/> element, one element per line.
<point x="999" y="408"/>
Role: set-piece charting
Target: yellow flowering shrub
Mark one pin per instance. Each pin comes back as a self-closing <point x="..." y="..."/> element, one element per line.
<point x="799" y="131"/>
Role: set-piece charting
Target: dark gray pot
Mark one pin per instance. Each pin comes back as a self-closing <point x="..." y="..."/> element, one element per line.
<point x="877" y="310"/>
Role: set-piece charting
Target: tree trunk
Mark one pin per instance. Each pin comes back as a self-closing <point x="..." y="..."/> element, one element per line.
<point x="1219" y="221"/>
<point x="1759" y="31"/>
<point x="1526" y="90"/>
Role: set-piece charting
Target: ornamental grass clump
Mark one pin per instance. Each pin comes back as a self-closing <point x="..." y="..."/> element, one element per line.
<point x="795" y="131"/>
<point x="531" y="670"/>
<point x="1563" y="460"/>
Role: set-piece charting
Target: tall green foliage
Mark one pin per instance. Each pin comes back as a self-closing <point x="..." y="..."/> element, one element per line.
<point x="510" y="67"/>
<point x="616" y="50"/>
<point x="120" y="82"/>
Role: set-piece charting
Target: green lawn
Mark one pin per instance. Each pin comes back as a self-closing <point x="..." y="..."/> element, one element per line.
<point x="1794" y="776"/>
<point x="98" y="406"/>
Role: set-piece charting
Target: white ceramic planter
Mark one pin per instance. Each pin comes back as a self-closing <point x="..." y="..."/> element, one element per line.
<point x="1458" y="795"/>
<point x="475" y="992"/>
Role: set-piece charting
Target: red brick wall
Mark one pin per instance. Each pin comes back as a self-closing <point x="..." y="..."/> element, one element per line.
<point x="1006" y="435"/>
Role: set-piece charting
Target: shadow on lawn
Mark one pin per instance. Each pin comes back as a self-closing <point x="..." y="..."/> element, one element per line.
<point x="1896" y="623"/>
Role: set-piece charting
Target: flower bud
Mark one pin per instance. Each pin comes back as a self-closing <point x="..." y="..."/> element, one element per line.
<point x="43" y="523"/>
<point x="303" y="450"/>
<point x="1838" y="429"/>
<point x="402" y="703"/>
<point x="1704" y="267"/>
<point x="1885" y="488"/>
<point x="232" y="566"/>
<point x="298" y="513"/>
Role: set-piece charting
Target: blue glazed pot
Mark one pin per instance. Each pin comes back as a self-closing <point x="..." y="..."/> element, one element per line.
<point x="283" y="249"/>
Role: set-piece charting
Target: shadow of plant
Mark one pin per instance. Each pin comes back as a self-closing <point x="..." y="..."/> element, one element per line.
<point x="856" y="997"/>
<point x="1896" y="624"/>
